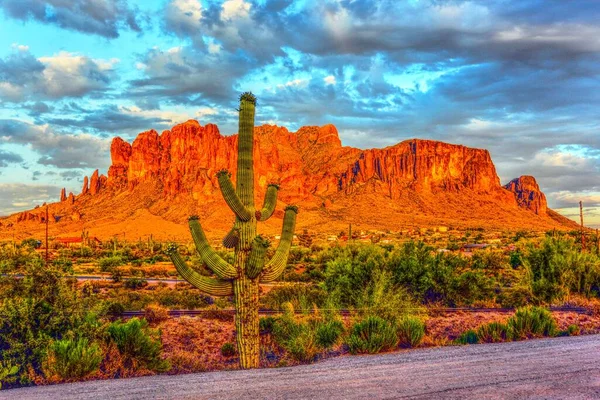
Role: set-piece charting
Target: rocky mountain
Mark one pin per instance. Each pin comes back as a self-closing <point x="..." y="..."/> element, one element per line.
<point x="154" y="183"/>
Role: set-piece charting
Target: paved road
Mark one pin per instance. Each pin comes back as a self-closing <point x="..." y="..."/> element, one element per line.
<point x="542" y="369"/>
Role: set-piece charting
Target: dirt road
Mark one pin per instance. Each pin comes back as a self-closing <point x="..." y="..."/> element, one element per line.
<point x="543" y="369"/>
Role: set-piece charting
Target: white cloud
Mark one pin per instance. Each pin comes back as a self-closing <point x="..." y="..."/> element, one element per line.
<point x="329" y="80"/>
<point x="20" y="47"/>
<point x="294" y="83"/>
<point x="184" y="15"/>
<point x="69" y="74"/>
<point x="563" y="159"/>
<point x="235" y="9"/>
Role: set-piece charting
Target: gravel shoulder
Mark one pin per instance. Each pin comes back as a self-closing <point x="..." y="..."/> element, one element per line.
<point x="567" y="367"/>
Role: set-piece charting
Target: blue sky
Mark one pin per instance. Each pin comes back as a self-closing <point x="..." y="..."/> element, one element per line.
<point x="520" y="78"/>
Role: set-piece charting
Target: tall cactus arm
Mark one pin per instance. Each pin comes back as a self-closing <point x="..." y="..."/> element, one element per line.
<point x="245" y="162"/>
<point x="275" y="267"/>
<point x="257" y="256"/>
<point x="213" y="287"/>
<point x="270" y="203"/>
<point x="220" y="267"/>
<point x="231" y="198"/>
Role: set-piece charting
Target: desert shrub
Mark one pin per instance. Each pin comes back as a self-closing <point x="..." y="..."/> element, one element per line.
<point x="115" y="308"/>
<point x="135" y="283"/>
<point x="351" y="271"/>
<point x="411" y="331"/>
<point x="265" y="324"/>
<point x="116" y="275"/>
<point x="518" y="296"/>
<point x="573" y="330"/>
<point x="154" y="313"/>
<point x="304" y="337"/>
<point x="531" y="322"/>
<point x="328" y="333"/>
<point x="372" y="335"/>
<point x="493" y="332"/>
<point x="34" y="311"/>
<point x="106" y="264"/>
<point x="302" y="297"/>
<point x="8" y="373"/>
<point x="139" y="345"/>
<point x="228" y="349"/>
<point x="303" y="346"/>
<point x="382" y="298"/>
<point x="73" y="359"/>
<point x="468" y="337"/>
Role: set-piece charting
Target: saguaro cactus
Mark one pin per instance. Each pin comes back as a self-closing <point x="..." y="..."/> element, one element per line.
<point x="241" y="279"/>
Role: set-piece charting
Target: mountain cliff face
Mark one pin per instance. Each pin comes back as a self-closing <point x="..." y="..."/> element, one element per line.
<point x="310" y="162"/>
<point x="528" y="194"/>
<point x="413" y="183"/>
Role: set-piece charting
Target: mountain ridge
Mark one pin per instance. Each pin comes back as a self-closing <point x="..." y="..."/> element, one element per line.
<point x="163" y="178"/>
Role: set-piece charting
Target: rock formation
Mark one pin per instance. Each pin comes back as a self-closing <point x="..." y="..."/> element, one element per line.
<point x="63" y="194"/>
<point x="528" y="194"/>
<point x="414" y="183"/>
<point x="311" y="162"/>
<point x="85" y="189"/>
<point x="120" y="152"/>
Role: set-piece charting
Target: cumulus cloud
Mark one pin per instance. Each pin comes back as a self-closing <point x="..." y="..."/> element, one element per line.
<point x="15" y="197"/>
<point x="24" y="77"/>
<point x="105" y="18"/>
<point x="58" y="150"/>
<point x="9" y="157"/>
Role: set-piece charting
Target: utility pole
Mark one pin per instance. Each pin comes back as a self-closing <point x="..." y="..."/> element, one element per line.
<point x="582" y="234"/>
<point x="46" y="236"/>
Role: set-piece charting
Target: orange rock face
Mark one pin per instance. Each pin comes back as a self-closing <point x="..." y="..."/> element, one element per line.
<point x="63" y="194"/>
<point x="85" y="189"/>
<point x="160" y="179"/>
<point x="528" y="194"/>
<point x="310" y="162"/>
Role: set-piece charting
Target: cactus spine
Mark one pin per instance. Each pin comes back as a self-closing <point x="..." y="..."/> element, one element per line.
<point x="241" y="279"/>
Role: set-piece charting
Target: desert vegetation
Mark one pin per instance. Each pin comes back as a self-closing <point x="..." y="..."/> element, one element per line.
<point x="337" y="299"/>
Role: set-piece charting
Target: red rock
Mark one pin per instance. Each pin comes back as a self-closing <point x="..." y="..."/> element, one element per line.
<point x="120" y="153"/>
<point x="71" y="198"/>
<point x="94" y="183"/>
<point x="310" y="162"/>
<point x="528" y="194"/>
<point x="85" y="189"/>
<point x="63" y="194"/>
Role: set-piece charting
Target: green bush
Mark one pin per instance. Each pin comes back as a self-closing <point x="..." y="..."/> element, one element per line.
<point x="468" y="337"/>
<point x="302" y="297"/>
<point x="295" y="336"/>
<point x="493" y="332"/>
<point x="135" y="283"/>
<point x="531" y="322"/>
<point x="8" y="373"/>
<point x="266" y="324"/>
<point x="372" y="335"/>
<point x="34" y="311"/>
<point x="106" y="264"/>
<point x="573" y="330"/>
<point x="303" y="346"/>
<point x="139" y="345"/>
<point x="328" y="333"/>
<point x="411" y="331"/>
<point x="73" y="359"/>
<point x="228" y="349"/>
